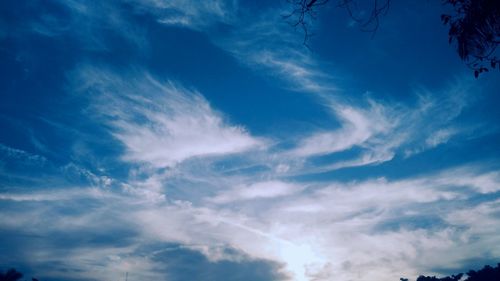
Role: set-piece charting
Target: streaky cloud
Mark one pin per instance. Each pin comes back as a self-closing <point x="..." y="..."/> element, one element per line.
<point x="357" y="127"/>
<point x="258" y="190"/>
<point x="187" y="14"/>
<point x="162" y="124"/>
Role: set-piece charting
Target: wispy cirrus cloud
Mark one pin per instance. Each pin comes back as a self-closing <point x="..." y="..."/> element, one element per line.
<point x="162" y="124"/>
<point x="381" y="130"/>
<point x="256" y="191"/>
<point x="188" y="14"/>
<point x="95" y="21"/>
<point x="270" y="45"/>
<point x="357" y="126"/>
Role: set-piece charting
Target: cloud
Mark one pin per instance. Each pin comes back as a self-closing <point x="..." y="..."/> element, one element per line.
<point x="95" y="21"/>
<point x="439" y="137"/>
<point x="357" y="126"/>
<point x="263" y="41"/>
<point x="380" y="130"/>
<point x="316" y="230"/>
<point x="66" y="194"/>
<point x="183" y="263"/>
<point x="342" y="220"/>
<point x="296" y="68"/>
<point x="162" y="124"/>
<point x="22" y="156"/>
<point x="188" y="14"/>
<point x="259" y="190"/>
<point x="22" y="169"/>
<point x="268" y="44"/>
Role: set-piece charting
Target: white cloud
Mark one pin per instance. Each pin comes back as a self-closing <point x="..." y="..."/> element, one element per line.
<point x="439" y="137"/>
<point x="341" y="221"/>
<point x="316" y="230"/>
<point x="22" y="156"/>
<point x="188" y="14"/>
<point x="259" y="190"/>
<point x="89" y="19"/>
<point x="297" y="68"/>
<point x="333" y="228"/>
<point x="162" y="124"/>
<point x="382" y="130"/>
<point x="57" y="195"/>
<point x="357" y="127"/>
<point x="267" y="43"/>
<point x="481" y="182"/>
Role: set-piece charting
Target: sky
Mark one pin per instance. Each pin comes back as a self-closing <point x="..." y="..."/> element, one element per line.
<point x="202" y="140"/>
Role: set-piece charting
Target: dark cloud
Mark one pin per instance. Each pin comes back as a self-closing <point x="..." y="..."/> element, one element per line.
<point x="181" y="263"/>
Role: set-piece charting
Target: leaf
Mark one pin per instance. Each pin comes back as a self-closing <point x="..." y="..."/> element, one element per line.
<point x="445" y="19"/>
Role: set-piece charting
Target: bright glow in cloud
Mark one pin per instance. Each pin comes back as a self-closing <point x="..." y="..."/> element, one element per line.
<point x="376" y="227"/>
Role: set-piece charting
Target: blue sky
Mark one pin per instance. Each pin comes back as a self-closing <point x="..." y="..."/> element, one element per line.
<point x="190" y="140"/>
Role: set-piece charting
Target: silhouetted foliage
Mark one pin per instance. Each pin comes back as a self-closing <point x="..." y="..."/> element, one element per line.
<point x="11" y="275"/>
<point x="474" y="25"/>
<point x="488" y="273"/>
<point x="434" y="278"/>
<point x="475" y="28"/>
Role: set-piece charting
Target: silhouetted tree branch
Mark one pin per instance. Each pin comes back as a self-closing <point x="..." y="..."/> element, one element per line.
<point x="370" y="23"/>
<point x="474" y="25"/>
<point x="304" y="11"/>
